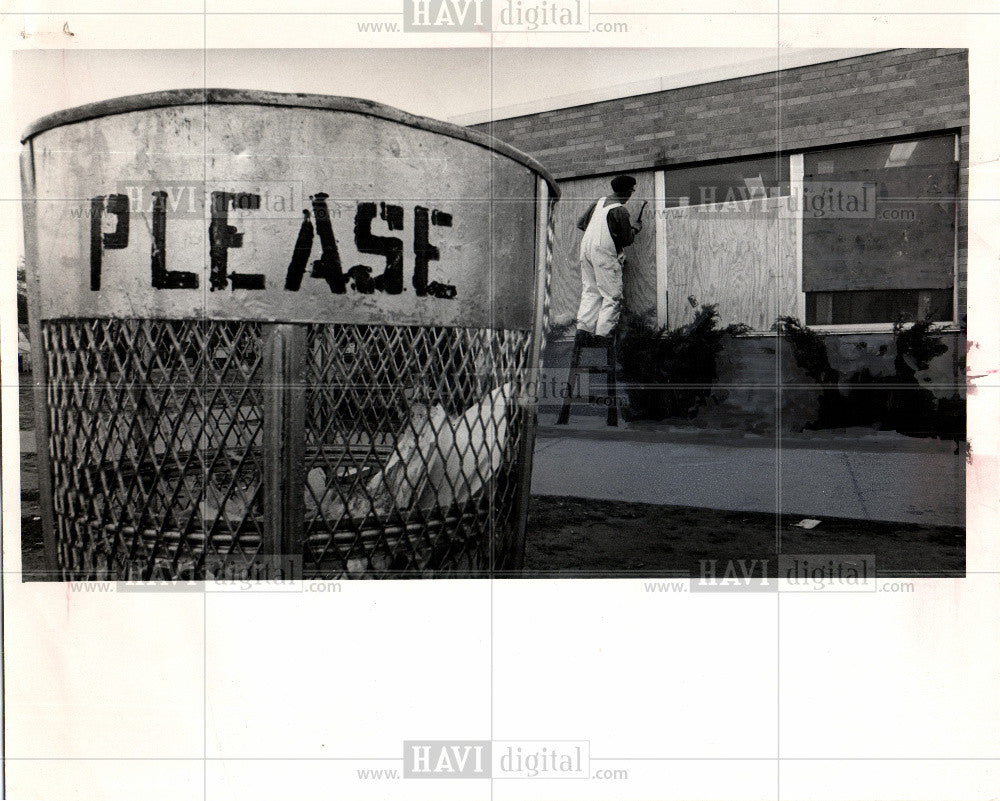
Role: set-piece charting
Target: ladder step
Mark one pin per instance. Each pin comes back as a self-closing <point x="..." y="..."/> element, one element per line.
<point x="581" y="343"/>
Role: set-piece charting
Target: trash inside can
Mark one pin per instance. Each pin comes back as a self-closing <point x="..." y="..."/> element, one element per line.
<point x="281" y="334"/>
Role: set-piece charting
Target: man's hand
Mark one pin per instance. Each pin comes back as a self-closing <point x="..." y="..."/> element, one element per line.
<point x="637" y="226"/>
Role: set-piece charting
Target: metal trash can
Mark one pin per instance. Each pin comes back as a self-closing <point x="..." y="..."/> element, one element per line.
<point x="281" y="332"/>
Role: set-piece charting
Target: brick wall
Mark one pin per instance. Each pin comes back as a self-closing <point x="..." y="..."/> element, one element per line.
<point x="894" y="93"/>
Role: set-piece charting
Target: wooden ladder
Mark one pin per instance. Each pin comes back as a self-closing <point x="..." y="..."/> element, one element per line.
<point x="587" y="340"/>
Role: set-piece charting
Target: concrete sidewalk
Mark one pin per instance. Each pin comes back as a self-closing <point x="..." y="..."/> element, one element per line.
<point x="883" y="478"/>
<point x="880" y="477"/>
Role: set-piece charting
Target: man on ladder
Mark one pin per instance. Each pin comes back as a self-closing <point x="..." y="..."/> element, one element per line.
<point x="607" y="231"/>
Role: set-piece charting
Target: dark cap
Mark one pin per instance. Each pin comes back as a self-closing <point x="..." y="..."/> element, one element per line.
<point x="623" y="183"/>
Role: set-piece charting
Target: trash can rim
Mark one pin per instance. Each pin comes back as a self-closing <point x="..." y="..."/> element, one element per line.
<point x="356" y="105"/>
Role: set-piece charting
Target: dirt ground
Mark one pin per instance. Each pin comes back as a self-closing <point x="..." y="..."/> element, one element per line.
<point x="581" y="538"/>
<point x="577" y="537"/>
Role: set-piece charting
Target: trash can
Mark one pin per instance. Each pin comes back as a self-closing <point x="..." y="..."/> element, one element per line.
<point x="280" y="334"/>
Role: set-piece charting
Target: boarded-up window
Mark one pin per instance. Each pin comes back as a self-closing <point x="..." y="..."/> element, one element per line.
<point x="739" y="256"/>
<point x="731" y="241"/>
<point x="878" y="235"/>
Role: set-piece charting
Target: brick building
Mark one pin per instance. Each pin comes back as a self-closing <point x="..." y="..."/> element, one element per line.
<point x="742" y="178"/>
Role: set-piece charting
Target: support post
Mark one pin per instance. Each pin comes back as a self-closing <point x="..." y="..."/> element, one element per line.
<point x="39" y="366"/>
<point x="796" y="170"/>
<point x="574" y="374"/>
<point x="514" y="559"/>
<point x="612" y="378"/>
<point x="284" y="445"/>
<point x="660" y="231"/>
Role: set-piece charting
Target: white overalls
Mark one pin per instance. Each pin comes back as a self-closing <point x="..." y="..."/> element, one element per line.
<point x="601" y="275"/>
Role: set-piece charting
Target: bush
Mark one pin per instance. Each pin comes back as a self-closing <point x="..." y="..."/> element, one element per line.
<point x="893" y="402"/>
<point x="915" y="347"/>
<point x="670" y="372"/>
<point x="559" y="331"/>
<point x="808" y="348"/>
<point x="809" y="352"/>
<point x="920" y="413"/>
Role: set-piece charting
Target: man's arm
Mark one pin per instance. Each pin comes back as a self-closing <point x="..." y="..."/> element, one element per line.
<point x="622" y="231"/>
<point x="584" y="221"/>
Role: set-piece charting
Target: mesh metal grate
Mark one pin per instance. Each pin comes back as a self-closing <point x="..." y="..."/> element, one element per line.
<point x="412" y="440"/>
<point x="155" y="433"/>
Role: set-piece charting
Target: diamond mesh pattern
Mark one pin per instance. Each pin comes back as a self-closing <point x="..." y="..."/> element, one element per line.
<point x="155" y="435"/>
<point x="412" y="439"/>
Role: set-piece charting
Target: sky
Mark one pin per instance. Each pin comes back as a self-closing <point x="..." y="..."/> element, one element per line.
<point x="460" y="85"/>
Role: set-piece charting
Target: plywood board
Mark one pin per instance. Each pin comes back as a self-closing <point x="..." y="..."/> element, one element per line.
<point x="739" y="256"/>
<point x="905" y="240"/>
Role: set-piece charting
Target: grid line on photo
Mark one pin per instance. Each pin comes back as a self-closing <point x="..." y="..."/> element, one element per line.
<point x="622" y="13"/>
<point x="778" y="428"/>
